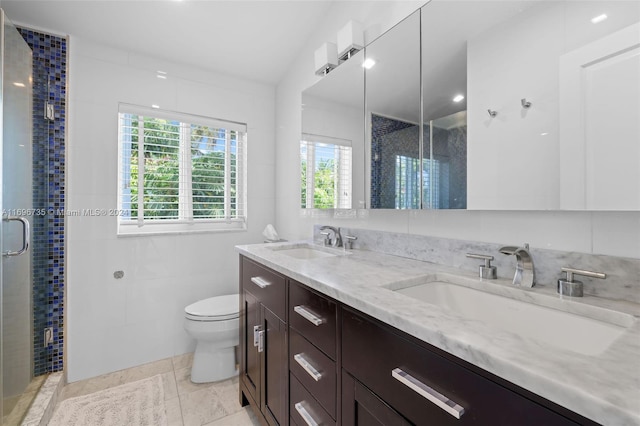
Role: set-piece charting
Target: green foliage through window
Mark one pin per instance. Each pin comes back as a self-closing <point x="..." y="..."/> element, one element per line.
<point x="327" y="183"/>
<point x="191" y="171"/>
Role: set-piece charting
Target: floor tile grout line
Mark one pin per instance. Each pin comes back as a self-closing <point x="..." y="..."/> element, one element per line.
<point x="175" y="378"/>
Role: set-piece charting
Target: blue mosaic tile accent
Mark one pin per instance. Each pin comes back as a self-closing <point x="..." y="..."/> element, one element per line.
<point x="448" y="178"/>
<point x="49" y="84"/>
<point x="389" y="138"/>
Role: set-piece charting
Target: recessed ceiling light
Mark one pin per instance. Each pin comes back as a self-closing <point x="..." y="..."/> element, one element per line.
<point x="544" y="133"/>
<point x="160" y="76"/>
<point x="368" y="63"/>
<point x="458" y="98"/>
<point x="155" y="106"/>
<point x="17" y="84"/>
<point x="599" y="18"/>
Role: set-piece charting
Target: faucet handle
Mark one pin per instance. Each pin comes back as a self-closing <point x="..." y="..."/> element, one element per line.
<point x="570" y="287"/>
<point x="571" y="272"/>
<point x="486" y="271"/>
<point x="327" y="239"/>
<point x="348" y="244"/>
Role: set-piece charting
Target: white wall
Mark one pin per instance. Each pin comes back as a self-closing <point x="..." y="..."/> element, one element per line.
<point x="114" y="324"/>
<point x="609" y="233"/>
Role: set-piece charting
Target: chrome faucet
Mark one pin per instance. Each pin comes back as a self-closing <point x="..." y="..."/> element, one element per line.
<point x="525" y="273"/>
<point x="337" y="242"/>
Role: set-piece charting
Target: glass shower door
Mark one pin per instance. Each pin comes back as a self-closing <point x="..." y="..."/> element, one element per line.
<point x="16" y="339"/>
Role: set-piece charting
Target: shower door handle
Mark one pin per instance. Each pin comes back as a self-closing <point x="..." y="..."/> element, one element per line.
<point x="25" y="236"/>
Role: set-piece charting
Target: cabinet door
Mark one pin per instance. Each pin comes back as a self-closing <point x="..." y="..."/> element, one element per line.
<point x="251" y="358"/>
<point x="362" y="407"/>
<point x="275" y="367"/>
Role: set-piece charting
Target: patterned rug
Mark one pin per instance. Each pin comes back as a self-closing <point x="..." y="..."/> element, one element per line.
<point x="138" y="403"/>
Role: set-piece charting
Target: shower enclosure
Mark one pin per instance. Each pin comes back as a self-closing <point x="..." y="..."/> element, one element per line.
<point x="18" y="213"/>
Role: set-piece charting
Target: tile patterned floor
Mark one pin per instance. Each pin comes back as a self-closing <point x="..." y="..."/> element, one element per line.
<point x="187" y="404"/>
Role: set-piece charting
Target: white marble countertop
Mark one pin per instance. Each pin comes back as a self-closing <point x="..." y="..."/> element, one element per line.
<point x="604" y="387"/>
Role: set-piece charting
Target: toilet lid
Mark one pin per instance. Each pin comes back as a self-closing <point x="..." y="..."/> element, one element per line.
<point x="217" y="308"/>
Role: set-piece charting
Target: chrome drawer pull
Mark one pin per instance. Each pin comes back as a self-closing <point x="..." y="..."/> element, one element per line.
<point x="261" y="341"/>
<point x="309" y="315"/>
<point x="429" y="393"/>
<point x="260" y="282"/>
<point x="256" y="331"/>
<point x="306" y="366"/>
<point x="306" y="416"/>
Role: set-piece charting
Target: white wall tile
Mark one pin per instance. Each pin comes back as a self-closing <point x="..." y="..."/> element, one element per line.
<point x="139" y="318"/>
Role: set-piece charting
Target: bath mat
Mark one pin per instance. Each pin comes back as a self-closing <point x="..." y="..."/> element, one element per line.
<point x="138" y="403"/>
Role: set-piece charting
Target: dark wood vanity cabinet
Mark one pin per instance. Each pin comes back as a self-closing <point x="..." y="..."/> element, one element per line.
<point x="320" y="362"/>
<point x="425" y="386"/>
<point x="263" y="342"/>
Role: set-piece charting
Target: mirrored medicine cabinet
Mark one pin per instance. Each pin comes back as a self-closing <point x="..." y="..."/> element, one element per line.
<point x="483" y="105"/>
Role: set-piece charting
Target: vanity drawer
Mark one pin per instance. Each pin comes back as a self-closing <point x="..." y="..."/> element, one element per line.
<point x="313" y="316"/>
<point x="315" y="370"/>
<point x="302" y="405"/>
<point x="268" y="286"/>
<point x="427" y="388"/>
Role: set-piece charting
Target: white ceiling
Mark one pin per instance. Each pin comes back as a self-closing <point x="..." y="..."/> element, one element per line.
<point x="256" y="39"/>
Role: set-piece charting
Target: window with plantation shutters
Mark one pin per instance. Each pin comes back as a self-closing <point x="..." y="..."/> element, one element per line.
<point x="179" y="172"/>
<point x="325" y="165"/>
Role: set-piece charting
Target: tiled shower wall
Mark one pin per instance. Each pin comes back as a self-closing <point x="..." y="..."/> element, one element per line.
<point x="49" y="85"/>
<point x="390" y="138"/>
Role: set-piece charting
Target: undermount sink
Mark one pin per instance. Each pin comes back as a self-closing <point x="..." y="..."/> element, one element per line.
<point x="307" y="251"/>
<point x="544" y="324"/>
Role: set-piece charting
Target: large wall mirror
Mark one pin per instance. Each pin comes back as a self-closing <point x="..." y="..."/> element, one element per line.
<point x="393" y="117"/>
<point x="332" y="142"/>
<point x="497" y="105"/>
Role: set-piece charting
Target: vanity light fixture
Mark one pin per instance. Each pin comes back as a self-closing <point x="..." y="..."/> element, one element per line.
<point x="598" y="19"/>
<point x="368" y="63"/>
<point x="458" y="98"/>
<point x="350" y="40"/>
<point x="326" y="58"/>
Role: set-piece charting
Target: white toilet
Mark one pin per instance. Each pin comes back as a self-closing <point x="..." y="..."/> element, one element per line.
<point x="214" y="323"/>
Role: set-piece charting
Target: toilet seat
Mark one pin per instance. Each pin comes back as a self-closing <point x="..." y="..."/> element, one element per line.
<point x="219" y="308"/>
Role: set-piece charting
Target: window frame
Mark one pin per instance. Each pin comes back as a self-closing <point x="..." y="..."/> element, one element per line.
<point x="342" y="173"/>
<point x="186" y="223"/>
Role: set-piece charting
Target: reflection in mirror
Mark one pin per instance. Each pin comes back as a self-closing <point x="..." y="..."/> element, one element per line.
<point x="445" y="51"/>
<point x="333" y="130"/>
<point x="552" y="99"/>
<point x="395" y="164"/>
<point x="445" y="162"/>
<point x="393" y="117"/>
<point x="526" y="105"/>
<point x="325" y="165"/>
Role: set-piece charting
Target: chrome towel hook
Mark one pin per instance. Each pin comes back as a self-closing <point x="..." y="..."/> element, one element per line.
<point x="525" y="103"/>
<point x="492" y="113"/>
